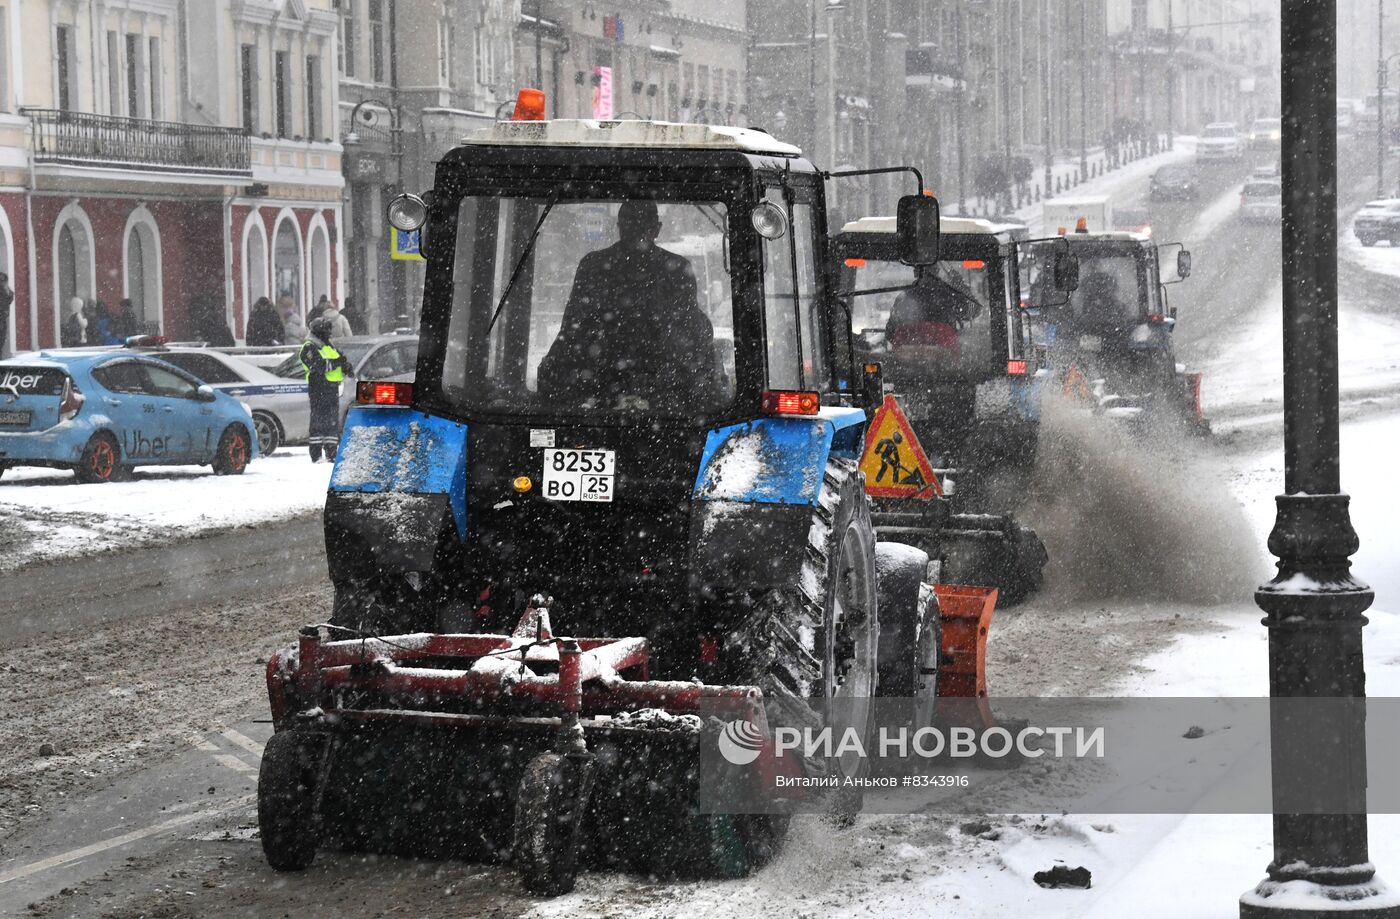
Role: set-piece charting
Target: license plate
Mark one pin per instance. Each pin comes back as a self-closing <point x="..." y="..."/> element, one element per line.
<point x="14" y="417"/>
<point x="579" y="475"/>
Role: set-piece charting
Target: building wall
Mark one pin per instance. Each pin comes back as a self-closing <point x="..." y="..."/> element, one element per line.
<point x="161" y="61"/>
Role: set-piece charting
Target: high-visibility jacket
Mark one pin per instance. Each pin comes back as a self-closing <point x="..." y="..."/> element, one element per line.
<point x="324" y="360"/>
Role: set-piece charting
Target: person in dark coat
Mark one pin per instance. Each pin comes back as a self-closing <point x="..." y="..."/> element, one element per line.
<point x="325" y="369"/>
<point x="73" y="332"/>
<point x="123" y="323"/>
<point x="321" y="306"/>
<point x="633" y="331"/>
<point x="209" y="323"/>
<point x="7" y="298"/>
<point x="352" y="316"/>
<point x="92" y="334"/>
<point x="264" y="325"/>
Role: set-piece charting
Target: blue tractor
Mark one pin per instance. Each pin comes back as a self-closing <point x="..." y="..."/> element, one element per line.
<point x="637" y="416"/>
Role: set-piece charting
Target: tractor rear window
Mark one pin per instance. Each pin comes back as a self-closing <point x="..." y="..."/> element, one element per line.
<point x="594" y="306"/>
<point x="1108" y="293"/>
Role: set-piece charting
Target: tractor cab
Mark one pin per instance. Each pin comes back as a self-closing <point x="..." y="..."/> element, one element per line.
<point x="953" y="337"/>
<point x="1116" y="326"/>
<point x="605" y="304"/>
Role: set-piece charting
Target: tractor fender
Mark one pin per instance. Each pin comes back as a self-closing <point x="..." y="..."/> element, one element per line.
<point x="755" y="493"/>
<point x="398" y="487"/>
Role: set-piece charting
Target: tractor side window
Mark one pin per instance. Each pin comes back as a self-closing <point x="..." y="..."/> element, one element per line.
<point x="814" y="371"/>
<point x="779" y="307"/>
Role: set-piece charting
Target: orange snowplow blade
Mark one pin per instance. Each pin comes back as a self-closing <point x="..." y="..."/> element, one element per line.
<point x="966" y="616"/>
<point x="1193" y="385"/>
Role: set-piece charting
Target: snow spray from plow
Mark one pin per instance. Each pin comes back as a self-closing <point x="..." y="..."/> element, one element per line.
<point x="1128" y="516"/>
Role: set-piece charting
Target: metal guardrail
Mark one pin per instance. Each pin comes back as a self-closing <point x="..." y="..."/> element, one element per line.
<point x="138" y="143"/>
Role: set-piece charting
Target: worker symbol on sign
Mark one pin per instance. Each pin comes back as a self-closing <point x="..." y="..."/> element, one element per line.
<point x="888" y="451"/>
<point x="894" y="462"/>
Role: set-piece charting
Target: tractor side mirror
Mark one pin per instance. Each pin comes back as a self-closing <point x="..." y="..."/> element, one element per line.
<point x="1183" y="264"/>
<point x="1066" y="272"/>
<point x="916" y="223"/>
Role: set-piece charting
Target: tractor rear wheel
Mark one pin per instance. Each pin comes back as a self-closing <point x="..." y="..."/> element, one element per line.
<point x="818" y="640"/>
<point x="287" y="791"/>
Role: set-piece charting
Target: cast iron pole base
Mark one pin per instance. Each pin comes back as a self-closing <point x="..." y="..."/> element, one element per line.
<point x="1321" y="867"/>
<point x="1288" y="900"/>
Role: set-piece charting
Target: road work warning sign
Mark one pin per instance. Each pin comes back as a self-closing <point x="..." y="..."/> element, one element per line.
<point x="894" y="463"/>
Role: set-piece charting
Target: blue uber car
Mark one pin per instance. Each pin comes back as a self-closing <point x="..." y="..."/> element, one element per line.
<point x="103" y="413"/>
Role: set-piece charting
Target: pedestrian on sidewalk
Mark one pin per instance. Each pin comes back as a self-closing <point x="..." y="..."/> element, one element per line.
<point x="264" y="325"/>
<point x="7" y="299"/>
<point x="292" y="322"/>
<point x="325" y="369"/>
<point x="73" y="332"/>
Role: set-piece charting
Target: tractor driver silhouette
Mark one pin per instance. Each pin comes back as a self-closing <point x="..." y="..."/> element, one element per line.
<point x="633" y="334"/>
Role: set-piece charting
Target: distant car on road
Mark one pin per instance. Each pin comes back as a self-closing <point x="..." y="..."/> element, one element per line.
<point x="1219" y="142"/>
<point x="372" y="357"/>
<point x="1265" y="134"/>
<point x="1378" y="220"/>
<point x="1175" y="181"/>
<point x="102" y="413"/>
<point x="1262" y="200"/>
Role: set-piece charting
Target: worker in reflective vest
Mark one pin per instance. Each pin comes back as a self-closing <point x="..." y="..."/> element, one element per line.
<point x="325" y="369"/>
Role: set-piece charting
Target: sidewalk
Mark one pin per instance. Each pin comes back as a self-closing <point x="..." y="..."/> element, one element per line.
<point x="1065" y="181"/>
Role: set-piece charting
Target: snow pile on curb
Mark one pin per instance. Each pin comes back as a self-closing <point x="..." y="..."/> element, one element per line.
<point x="45" y="514"/>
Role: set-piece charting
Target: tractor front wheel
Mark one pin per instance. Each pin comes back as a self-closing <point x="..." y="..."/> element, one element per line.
<point x="288" y="783"/>
<point x="549" y="808"/>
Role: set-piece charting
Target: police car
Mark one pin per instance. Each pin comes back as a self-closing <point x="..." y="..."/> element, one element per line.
<point x="281" y="410"/>
<point x="102" y="413"/>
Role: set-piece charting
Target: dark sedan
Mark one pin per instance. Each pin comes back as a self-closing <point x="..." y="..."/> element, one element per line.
<point x="1175" y="181"/>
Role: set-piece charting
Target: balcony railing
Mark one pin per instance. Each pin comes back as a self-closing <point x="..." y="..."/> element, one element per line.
<point x="82" y="138"/>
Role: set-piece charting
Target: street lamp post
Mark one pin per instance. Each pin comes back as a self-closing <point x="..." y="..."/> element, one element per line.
<point x="1315" y="648"/>
<point x="351" y="140"/>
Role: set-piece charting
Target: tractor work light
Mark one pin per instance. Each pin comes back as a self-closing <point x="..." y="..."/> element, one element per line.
<point x="373" y="392"/>
<point x="790" y="402"/>
<point x="769" y="220"/>
<point x="407" y="213"/>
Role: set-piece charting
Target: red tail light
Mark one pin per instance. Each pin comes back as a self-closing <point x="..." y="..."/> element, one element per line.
<point x="1016" y="367"/>
<point x="373" y="392"/>
<point x="855" y="263"/>
<point x="790" y="402"/>
<point x="974" y="263"/>
<point x="71" y="402"/>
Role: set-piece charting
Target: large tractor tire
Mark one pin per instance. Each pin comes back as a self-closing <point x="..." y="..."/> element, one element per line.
<point x="904" y="617"/>
<point x="819" y="638"/>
